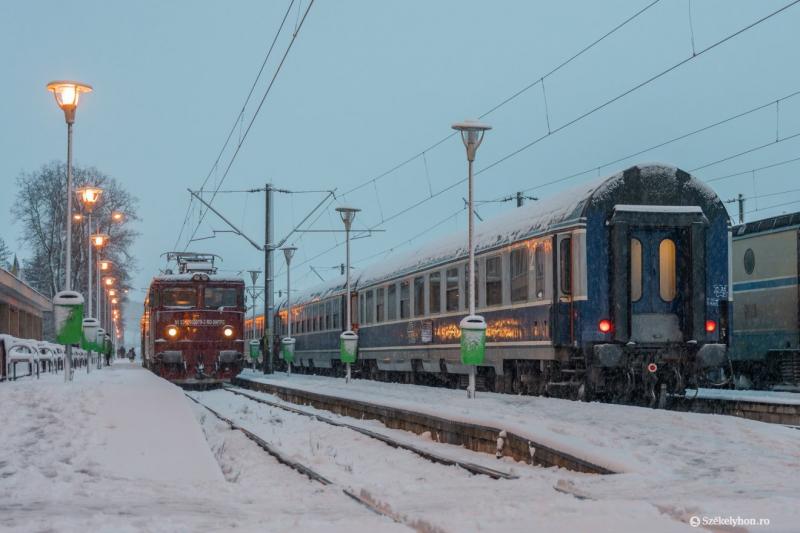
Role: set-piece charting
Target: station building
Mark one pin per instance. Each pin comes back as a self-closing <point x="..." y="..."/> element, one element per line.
<point x="24" y="311"/>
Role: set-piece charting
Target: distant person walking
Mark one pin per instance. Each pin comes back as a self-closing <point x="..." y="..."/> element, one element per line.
<point x="131" y="355"/>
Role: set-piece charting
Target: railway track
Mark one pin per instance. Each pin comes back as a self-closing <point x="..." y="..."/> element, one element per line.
<point x="431" y="456"/>
<point x="361" y="497"/>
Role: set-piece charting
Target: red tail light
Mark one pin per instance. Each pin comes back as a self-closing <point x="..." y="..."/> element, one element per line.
<point x="605" y="326"/>
<point x="711" y="326"/>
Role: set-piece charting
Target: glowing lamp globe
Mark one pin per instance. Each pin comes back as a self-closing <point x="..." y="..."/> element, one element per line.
<point x="67" y="94"/>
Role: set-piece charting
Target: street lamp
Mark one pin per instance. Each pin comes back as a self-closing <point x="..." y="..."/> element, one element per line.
<point x="473" y="327"/>
<point x="287" y="343"/>
<point x="117" y="216"/>
<point x="348" y="341"/>
<point x="89" y="196"/>
<point x="100" y="240"/>
<point x="67" y="94"/>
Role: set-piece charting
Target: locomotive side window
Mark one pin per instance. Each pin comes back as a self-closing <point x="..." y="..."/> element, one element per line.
<point x="435" y="284"/>
<point x="216" y="297"/>
<point x="667" y="262"/>
<point x="519" y="275"/>
<point x="451" y="291"/>
<point x="391" y="312"/>
<point x="636" y="270"/>
<point x="179" y="297"/>
<point x="494" y="281"/>
<point x="405" y="299"/>
<point x="538" y="261"/>
<point x="749" y="261"/>
<point x="379" y="304"/>
<point x="419" y="296"/>
<point x="565" y="264"/>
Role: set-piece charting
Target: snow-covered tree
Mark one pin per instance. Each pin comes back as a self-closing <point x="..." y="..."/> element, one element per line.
<point x="40" y="210"/>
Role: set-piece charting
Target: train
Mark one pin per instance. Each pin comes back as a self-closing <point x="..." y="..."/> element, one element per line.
<point x="765" y="352"/>
<point x="192" y="328"/>
<point x="618" y="289"/>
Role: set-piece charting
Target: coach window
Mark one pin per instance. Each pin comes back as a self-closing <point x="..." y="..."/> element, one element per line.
<point x="565" y="264"/>
<point x="494" y="281"/>
<point x="218" y="297"/>
<point x="667" y="274"/>
<point x="419" y="296"/>
<point x="391" y="302"/>
<point x="335" y="313"/>
<point x="519" y="275"/>
<point x="179" y="297"/>
<point x="435" y="290"/>
<point x="451" y="289"/>
<point x="370" y="310"/>
<point x="328" y="314"/>
<point x="538" y="263"/>
<point x="379" y="304"/>
<point x="636" y="270"/>
<point x="405" y="299"/>
<point x="361" y="308"/>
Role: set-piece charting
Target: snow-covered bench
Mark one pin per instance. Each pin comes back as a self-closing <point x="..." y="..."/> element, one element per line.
<point x="20" y="351"/>
<point x="47" y="355"/>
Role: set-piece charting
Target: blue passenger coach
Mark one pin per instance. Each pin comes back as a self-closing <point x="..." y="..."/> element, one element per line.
<point x="618" y="288"/>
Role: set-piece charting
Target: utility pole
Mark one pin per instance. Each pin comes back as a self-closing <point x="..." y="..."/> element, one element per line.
<point x="740" y="199"/>
<point x="268" y="275"/>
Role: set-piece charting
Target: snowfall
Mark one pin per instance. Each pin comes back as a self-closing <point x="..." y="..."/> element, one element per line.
<point x="120" y="449"/>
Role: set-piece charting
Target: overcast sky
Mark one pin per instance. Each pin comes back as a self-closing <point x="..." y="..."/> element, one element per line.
<point x="370" y="84"/>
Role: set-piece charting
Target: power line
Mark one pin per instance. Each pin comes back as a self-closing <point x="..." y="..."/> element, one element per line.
<point x="238" y="117"/>
<point x="744" y="172"/>
<point x="255" y="114"/>
<point x="563" y="126"/>
<point x="508" y="99"/>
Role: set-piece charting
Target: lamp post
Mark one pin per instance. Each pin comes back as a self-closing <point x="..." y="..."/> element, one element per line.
<point x="67" y="95"/>
<point x="89" y="196"/>
<point x="473" y="325"/>
<point x="348" y="340"/>
<point x="287" y="343"/>
<point x="99" y="240"/>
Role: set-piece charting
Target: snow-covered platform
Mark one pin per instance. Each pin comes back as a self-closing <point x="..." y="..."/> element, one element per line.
<point x="120" y="449"/>
<point x="684" y="464"/>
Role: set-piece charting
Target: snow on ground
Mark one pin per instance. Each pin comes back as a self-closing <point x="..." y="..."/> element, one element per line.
<point x="121" y="450"/>
<point x="682" y="464"/>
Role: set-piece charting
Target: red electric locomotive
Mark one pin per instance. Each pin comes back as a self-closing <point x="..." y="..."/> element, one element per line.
<point x="193" y="323"/>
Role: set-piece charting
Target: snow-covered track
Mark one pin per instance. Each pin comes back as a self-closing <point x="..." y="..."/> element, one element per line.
<point x="475" y="437"/>
<point x="433" y="457"/>
<point x="364" y="499"/>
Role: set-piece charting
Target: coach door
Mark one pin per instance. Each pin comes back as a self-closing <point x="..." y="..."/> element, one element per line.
<point x="655" y="281"/>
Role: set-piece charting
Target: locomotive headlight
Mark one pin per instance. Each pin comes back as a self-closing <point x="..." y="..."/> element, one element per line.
<point x="605" y="326"/>
<point x="172" y="331"/>
<point x="227" y="331"/>
<point x="711" y="326"/>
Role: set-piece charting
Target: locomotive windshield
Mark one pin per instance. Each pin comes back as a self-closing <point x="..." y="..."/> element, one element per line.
<point x="216" y="297"/>
<point x="179" y="297"/>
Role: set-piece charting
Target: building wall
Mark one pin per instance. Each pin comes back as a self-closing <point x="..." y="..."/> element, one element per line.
<point x="22" y="309"/>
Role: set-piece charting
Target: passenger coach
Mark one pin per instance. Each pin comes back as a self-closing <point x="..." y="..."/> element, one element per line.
<point x="617" y="288"/>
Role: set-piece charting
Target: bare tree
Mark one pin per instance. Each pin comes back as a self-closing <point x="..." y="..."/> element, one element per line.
<point x="5" y="255"/>
<point x="40" y="208"/>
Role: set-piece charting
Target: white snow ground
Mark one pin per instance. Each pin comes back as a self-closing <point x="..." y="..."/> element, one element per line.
<point x="675" y="465"/>
<point x="121" y="450"/>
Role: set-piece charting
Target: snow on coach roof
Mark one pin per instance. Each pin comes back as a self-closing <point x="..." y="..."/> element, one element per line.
<point x="561" y="210"/>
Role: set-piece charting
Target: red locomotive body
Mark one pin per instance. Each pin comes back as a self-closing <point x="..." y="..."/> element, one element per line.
<point x="193" y="325"/>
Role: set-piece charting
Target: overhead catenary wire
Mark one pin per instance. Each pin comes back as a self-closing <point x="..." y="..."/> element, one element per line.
<point x="258" y="109"/>
<point x="239" y="117"/>
<point x="510" y="98"/>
